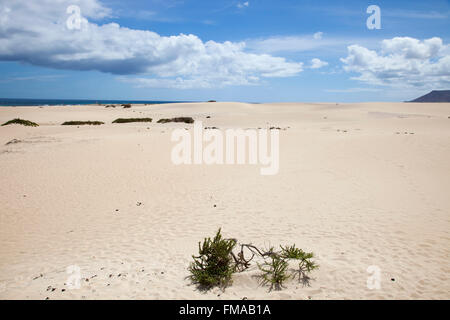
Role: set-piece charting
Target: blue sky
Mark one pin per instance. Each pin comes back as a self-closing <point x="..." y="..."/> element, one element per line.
<point x="255" y="51"/>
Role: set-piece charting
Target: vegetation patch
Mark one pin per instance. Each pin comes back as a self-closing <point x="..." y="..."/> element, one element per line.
<point x="128" y="120"/>
<point x="22" y="122"/>
<point x="214" y="265"/>
<point x="179" y="119"/>
<point x="82" y="123"/>
<point x="217" y="261"/>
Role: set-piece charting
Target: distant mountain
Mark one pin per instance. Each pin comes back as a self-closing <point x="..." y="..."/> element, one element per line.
<point x="435" y="96"/>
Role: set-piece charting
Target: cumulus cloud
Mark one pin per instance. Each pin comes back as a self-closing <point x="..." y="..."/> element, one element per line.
<point x="402" y="62"/>
<point x="317" y="63"/>
<point x="37" y="33"/>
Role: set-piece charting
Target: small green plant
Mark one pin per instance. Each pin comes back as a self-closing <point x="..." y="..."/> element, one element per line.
<point x="82" y="123"/>
<point x="179" y="119"/>
<point x="304" y="258"/>
<point x="22" y="122"/>
<point x="214" y="264"/>
<point x="129" y="120"/>
<point x="274" y="271"/>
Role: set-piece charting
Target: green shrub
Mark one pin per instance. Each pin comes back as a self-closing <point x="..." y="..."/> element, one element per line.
<point x="304" y="258"/>
<point x="274" y="271"/>
<point x="81" y="123"/>
<point x="179" y="119"/>
<point x="22" y="122"/>
<point x="305" y="264"/>
<point x="214" y="264"/>
<point x="128" y="120"/>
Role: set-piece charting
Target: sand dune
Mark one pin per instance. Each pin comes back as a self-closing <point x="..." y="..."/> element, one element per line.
<point x="359" y="184"/>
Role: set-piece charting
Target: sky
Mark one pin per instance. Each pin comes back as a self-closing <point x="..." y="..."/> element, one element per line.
<point x="226" y="50"/>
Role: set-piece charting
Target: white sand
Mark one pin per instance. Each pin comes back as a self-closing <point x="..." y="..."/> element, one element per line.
<point x="350" y="189"/>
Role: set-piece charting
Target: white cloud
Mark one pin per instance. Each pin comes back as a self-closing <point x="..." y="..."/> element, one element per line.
<point x="352" y="90"/>
<point x="416" y="14"/>
<point x="33" y="78"/>
<point x="194" y="83"/>
<point x="285" y="44"/>
<point x="317" y="63"/>
<point x="243" y="5"/>
<point x="36" y="33"/>
<point x="304" y="43"/>
<point x="402" y="62"/>
<point x="318" y="35"/>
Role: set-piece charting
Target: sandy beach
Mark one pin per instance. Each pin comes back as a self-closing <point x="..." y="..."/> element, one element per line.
<point x="360" y="185"/>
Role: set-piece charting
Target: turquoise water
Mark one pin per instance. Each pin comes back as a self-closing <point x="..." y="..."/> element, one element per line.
<point x="58" y="102"/>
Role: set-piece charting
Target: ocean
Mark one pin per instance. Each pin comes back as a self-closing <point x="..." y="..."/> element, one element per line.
<point x="60" y="102"/>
